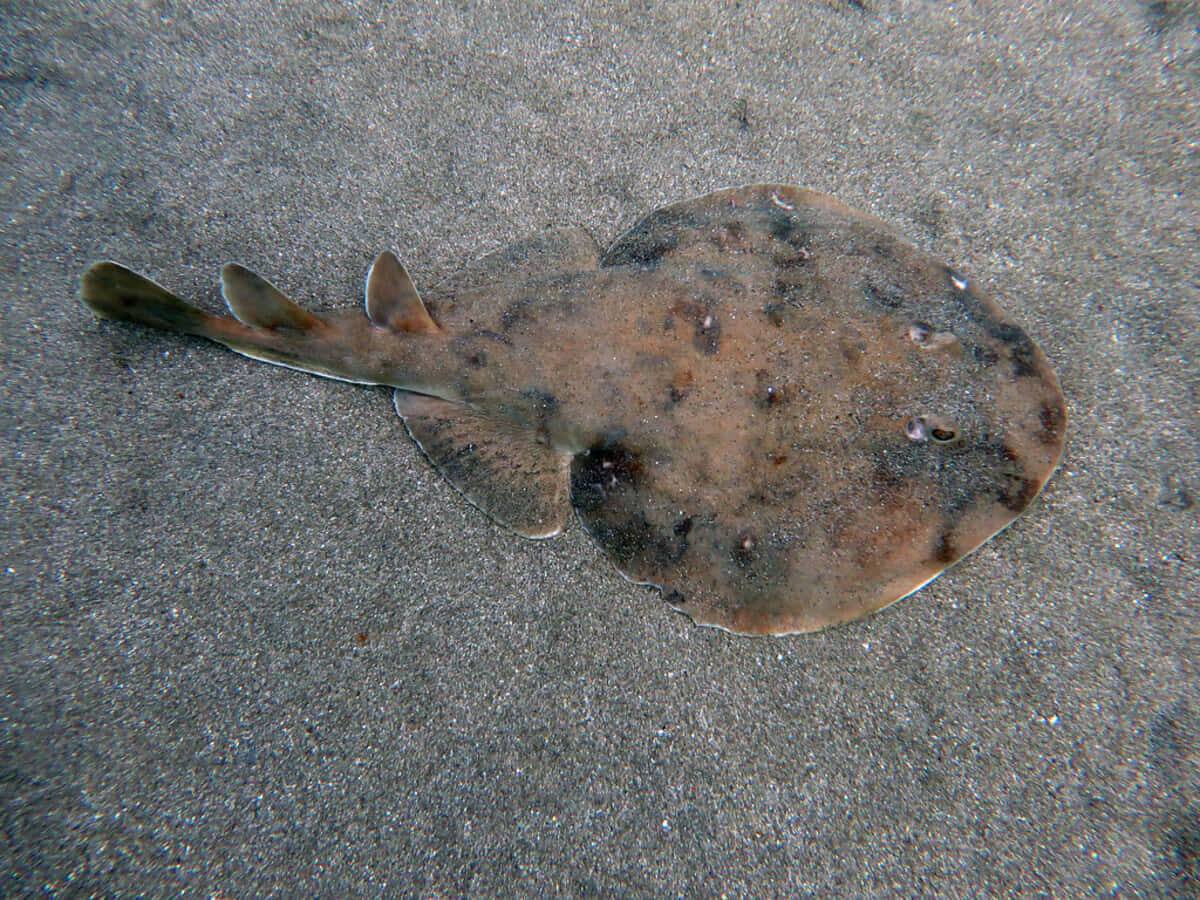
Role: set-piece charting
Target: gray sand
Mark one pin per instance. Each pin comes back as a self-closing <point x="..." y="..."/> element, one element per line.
<point x="253" y="645"/>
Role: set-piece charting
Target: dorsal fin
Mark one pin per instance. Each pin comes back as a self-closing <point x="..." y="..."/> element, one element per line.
<point x="392" y="299"/>
<point x="257" y="302"/>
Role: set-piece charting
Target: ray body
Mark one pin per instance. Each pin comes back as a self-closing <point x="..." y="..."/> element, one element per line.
<point x="761" y="401"/>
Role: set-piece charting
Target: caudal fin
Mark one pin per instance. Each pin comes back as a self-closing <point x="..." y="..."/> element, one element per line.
<point x="115" y="292"/>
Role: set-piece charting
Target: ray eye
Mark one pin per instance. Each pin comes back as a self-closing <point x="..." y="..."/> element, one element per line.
<point x="924" y="336"/>
<point x="930" y="427"/>
<point x="917" y="429"/>
<point x="919" y="332"/>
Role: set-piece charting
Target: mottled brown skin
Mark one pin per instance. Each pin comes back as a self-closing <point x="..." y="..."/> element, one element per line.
<point x="762" y="401"/>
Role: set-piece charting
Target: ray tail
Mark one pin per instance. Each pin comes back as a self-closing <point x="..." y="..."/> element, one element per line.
<point x="397" y="343"/>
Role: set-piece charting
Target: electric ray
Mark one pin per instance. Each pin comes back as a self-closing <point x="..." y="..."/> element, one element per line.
<point x="761" y="401"/>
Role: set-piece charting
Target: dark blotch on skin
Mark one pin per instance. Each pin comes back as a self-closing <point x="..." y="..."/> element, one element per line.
<point x="775" y="313"/>
<point x="787" y="227"/>
<point x="681" y="385"/>
<point x="970" y="304"/>
<point x="768" y="395"/>
<point x="544" y="405"/>
<point x="1013" y="490"/>
<point x="646" y="250"/>
<point x="1018" y="493"/>
<point x="495" y="336"/>
<point x="604" y="468"/>
<point x="629" y="537"/>
<point x="885" y="248"/>
<point x="974" y="474"/>
<point x="791" y="258"/>
<point x="898" y="463"/>
<point x="852" y="353"/>
<point x="886" y="295"/>
<point x="474" y="356"/>
<point x="652" y="239"/>
<point x="983" y="354"/>
<point x="990" y="473"/>
<point x="885" y="478"/>
<point x="605" y="480"/>
<point x="1053" y="422"/>
<point x="707" y="338"/>
<point x="944" y="550"/>
<point x="789" y="292"/>
<point x="745" y="550"/>
<point x="543" y="399"/>
<point x="636" y="542"/>
<point x="683" y="527"/>
<point x="515" y="312"/>
<point x="729" y="234"/>
<point x="1022" y="351"/>
<point x="782" y="224"/>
